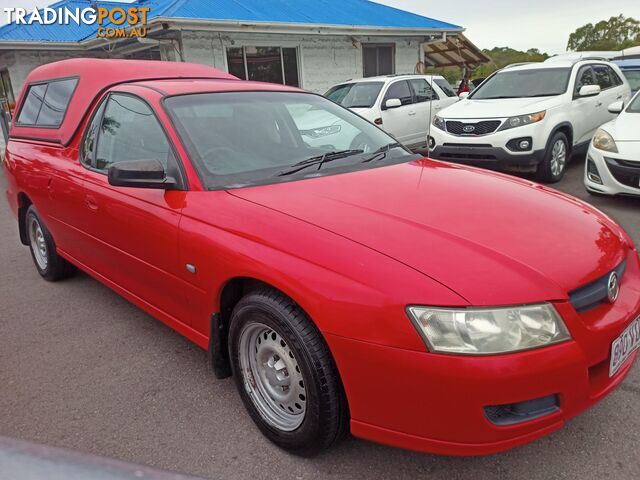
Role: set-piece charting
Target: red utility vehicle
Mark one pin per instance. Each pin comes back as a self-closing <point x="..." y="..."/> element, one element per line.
<point x="344" y="282"/>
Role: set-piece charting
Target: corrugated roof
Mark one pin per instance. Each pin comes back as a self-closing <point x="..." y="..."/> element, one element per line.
<point x="353" y="13"/>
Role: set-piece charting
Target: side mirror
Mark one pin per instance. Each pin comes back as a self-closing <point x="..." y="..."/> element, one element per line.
<point x="616" y="107"/>
<point x="140" y="174"/>
<point x="392" y="103"/>
<point x="463" y="95"/>
<point x="589" y="91"/>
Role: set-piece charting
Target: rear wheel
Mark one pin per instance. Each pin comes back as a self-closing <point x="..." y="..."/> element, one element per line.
<point x="285" y="373"/>
<point x="49" y="264"/>
<point x="554" y="164"/>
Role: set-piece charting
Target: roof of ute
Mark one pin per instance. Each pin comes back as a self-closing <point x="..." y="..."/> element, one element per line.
<point x="94" y="77"/>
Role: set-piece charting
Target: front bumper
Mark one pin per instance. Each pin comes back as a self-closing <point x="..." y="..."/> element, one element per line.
<point x="436" y="403"/>
<point x="627" y="173"/>
<point x="491" y="150"/>
<point x="494" y="157"/>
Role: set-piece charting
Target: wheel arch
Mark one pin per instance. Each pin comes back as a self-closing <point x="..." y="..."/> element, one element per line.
<point x="229" y="295"/>
<point x="24" y="202"/>
<point x="567" y="129"/>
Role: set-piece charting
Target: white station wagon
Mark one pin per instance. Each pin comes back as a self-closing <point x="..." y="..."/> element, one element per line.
<point x="403" y="105"/>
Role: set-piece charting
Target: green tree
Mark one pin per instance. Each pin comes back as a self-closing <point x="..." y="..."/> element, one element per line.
<point x="616" y="33"/>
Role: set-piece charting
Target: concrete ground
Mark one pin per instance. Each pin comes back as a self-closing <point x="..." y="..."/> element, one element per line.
<point x="82" y="368"/>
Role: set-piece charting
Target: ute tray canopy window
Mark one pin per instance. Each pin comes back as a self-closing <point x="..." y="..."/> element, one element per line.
<point x="46" y="103"/>
<point x="93" y="77"/>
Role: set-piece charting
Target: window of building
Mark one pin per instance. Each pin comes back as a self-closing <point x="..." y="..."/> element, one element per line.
<point x="46" y="103"/>
<point x="378" y="59"/>
<point x="264" y="64"/>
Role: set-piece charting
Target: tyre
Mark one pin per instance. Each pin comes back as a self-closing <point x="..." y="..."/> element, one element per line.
<point x="554" y="164"/>
<point x="285" y="374"/>
<point x="49" y="264"/>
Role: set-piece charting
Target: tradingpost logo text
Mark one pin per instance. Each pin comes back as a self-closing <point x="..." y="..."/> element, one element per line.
<point x="113" y="22"/>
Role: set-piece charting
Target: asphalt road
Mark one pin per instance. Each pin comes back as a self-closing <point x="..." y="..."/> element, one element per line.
<point x="82" y="368"/>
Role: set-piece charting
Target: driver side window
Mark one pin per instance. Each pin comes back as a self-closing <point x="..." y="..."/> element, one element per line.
<point x="585" y="77"/>
<point x="401" y="91"/>
<point x="127" y="130"/>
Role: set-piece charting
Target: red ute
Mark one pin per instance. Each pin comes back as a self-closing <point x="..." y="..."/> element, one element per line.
<point x="345" y="282"/>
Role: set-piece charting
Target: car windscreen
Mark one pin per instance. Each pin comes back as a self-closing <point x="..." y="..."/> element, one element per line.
<point x="355" y="95"/>
<point x="544" y="82"/>
<point x="633" y="77"/>
<point x="634" y="106"/>
<point x="237" y="139"/>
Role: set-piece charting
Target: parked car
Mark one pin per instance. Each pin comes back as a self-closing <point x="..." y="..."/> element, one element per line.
<point x="403" y="105"/>
<point x="530" y="117"/>
<point x="631" y="69"/>
<point x="342" y="289"/>
<point x="613" y="161"/>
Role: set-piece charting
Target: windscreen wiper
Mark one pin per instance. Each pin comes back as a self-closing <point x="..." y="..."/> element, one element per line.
<point x="381" y="153"/>
<point x="318" y="160"/>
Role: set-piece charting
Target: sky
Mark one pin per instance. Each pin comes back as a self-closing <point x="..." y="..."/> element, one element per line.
<point x="520" y="24"/>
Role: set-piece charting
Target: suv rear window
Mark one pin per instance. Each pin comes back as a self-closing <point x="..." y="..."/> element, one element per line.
<point x="46" y="103"/>
<point x="355" y="95"/>
<point x="445" y="87"/>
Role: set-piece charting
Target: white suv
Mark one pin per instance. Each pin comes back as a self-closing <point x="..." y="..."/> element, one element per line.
<point x="530" y="117"/>
<point x="403" y="105"/>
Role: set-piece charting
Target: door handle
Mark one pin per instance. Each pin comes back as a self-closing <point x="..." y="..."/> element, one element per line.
<point x="91" y="203"/>
<point x="599" y="104"/>
<point x="619" y="97"/>
<point x="412" y="113"/>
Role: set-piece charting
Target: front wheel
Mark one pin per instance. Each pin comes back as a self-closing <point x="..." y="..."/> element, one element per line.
<point x="285" y="373"/>
<point x="554" y="164"/>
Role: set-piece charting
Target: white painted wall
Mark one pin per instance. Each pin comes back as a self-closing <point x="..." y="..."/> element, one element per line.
<point x="323" y="60"/>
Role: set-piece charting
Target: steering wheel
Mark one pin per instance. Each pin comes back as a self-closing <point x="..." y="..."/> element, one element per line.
<point x="221" y="155"/>
<point x="361" y="142"/>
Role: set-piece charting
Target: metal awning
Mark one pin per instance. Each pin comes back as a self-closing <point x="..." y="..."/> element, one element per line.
<point x="455" y="51"/>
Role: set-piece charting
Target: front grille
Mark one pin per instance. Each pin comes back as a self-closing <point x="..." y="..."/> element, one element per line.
<point x="467" y="145"/>
<point x="595" y="293"/>
<point x="466" y="156"/>
<point x="472" y="129"/>
<point x="624" y="171"/>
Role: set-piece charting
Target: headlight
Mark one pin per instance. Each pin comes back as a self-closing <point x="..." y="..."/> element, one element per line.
<point x="484" y="331"/>
<point x="438" y="123"/>
<point x="321" y="131"/>
<point x="521" y="120"/>
<point x="602" y="140"/>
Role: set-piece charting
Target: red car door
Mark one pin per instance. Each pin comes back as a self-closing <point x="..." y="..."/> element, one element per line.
<point x="134" y="230"/>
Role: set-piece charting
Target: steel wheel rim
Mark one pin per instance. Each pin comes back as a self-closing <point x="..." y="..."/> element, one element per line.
<point x="38" y="244"/>
<point x="558" y="158"/>
<point x="272" y="377"/>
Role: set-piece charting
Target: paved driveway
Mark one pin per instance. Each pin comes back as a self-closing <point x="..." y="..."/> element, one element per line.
<point x="82" y="368"/>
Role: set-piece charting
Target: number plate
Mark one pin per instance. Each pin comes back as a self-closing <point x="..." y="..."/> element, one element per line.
<point x="624" y="346"/>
